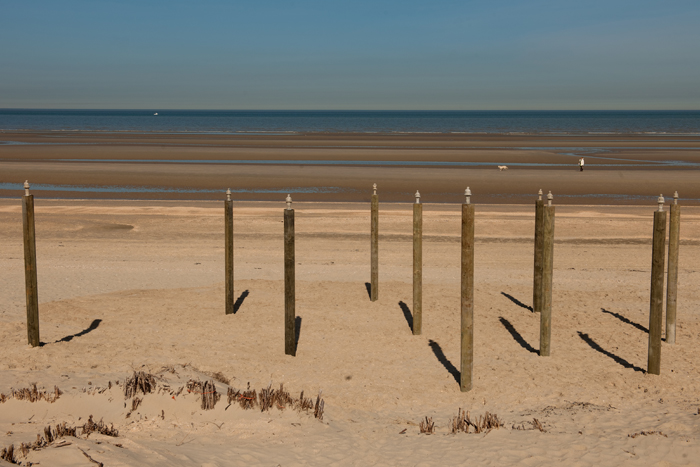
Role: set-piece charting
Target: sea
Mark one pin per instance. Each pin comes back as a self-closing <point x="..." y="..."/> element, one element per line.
<point x="352" y="121"/>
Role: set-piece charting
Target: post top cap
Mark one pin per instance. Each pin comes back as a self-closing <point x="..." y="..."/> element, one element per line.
<point x="675" y="195"/>
<point x="228" y="191"/>
<point x="467" y="192"/>
<point x="417" y="195"/>
<point x="540" y="192"/>
<point x="550" y="195"/>
<point x="26" y="184"/>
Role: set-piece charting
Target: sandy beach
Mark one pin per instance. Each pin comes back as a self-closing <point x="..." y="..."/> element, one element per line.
<point x="129" y="286"/>
<point x="620" y="169"/>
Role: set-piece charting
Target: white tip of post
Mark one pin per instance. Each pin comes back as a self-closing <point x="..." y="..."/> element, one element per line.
<point x="374" y="187"/>
<point x="228" y="194"/>
<point x="26" y="188"/>
<point x="661" y="202"/>
<point x="675" y="198"/>
<point x="539" y="194"/>
<point x="467" y="195"/>
<point x="417" y="195"/>
<point x="289" y="202"/>
<point x="550" y="197"/>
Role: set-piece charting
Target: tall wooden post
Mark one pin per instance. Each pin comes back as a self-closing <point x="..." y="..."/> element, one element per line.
<point x="656" y="298"/>
<point x="374" y="286"/>
<point x="672" y="284"/>
<point x="547" y="273"/>
<point x="30" y="279"/>
<point x="467" y="299"/>
<point x="289" y="282"/>
<point x="228" y="251"/>
<point x="539" y="244"/>
<point x="417" y="266"/>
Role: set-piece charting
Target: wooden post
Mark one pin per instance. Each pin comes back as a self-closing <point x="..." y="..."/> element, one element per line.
<point x="539" y="239"/>
<point x="417" y="266"/>
<point x="289" y="283"/>
<point x="30" y="279"/>
<point x="656" y="298"/>
<point x="467" y="301"/>
<point x="672" y="284"/>
<point x="374" y="286"/>
<point x="547" y="273"/>
<point x="228" y="252"/>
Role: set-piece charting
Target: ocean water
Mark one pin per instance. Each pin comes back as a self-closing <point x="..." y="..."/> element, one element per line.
<point x="283" y="121"/>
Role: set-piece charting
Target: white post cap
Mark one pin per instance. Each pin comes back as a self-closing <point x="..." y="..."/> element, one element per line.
<point x="550" y="197"/>
<point x="675" y="198"/>
<point x="467" y="195"/>
<point x="417" y="195"/>
<point x="228" y="194"/>
<point x="289" y="202"/>
<point x="26" y="188"/>
<point x="661" y="203"/>
<point x="374" y="187"/>
<point x="539" y="194"/>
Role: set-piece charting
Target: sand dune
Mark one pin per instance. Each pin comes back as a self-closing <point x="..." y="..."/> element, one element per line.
<point x="138" y="286"/>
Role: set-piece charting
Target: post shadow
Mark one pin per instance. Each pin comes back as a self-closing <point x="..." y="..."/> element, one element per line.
<point x="95" y="323"/>
<point x="517" y="302"/>
<point x="407" y="314"/>
<point x="625" y="320"/>
<point x="240" y="301"/>
<point x="297" y="333"/>
<point x="368" y="286"/>
<point x="437" y="350"/>
<point x="598" y="348"/>
<point x="516" y="335"/>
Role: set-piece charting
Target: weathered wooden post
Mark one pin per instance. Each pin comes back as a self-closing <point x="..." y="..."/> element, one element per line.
<point x="417" y="266"/>
<point x="374" y="286"/>
<point x="467" y="301"/>
<point x="289" y="282"/>
<point x="539" y="239"/>
<point x="672" y="280"/>
<point x="656" y="298"/>
<point x="547" y="273"/>
<point x="30" y="279"/>
<point x="228" y="251"/>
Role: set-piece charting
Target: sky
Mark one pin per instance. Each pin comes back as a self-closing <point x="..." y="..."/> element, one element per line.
<point x="326" y="54"/>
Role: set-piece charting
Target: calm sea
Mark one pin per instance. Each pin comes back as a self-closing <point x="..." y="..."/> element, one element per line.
<point x="253" y="121"/>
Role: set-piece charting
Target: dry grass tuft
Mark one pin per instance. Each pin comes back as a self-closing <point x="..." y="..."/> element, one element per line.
<point x="32" y="394"/>
<point x="207" y="391"/>
<point x="483" y="424"/>
<point x="53" y="434"/>
<point x="140" y="381"/>
<point x="427" y="426"/>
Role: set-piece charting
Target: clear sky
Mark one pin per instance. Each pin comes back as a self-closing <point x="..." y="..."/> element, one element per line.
<point x="325" y="54"/>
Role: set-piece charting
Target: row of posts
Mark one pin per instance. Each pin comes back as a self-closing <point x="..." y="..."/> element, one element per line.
<point x="542" y="283"/>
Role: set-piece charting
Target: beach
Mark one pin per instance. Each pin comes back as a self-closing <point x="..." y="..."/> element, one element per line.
<point x="341" y="167"/>
<point x="138" y="285"/>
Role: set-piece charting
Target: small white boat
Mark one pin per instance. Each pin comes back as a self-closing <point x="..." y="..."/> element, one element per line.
<point x="155" y="113"/>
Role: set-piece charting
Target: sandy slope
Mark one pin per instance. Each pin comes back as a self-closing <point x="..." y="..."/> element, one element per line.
<point x="128" y="286"/>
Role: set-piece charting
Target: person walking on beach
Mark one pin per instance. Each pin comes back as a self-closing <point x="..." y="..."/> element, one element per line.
<point x="580" y="164"/>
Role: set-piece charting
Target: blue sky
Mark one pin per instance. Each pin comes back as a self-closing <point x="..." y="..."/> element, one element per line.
<point x="613" y="54"/>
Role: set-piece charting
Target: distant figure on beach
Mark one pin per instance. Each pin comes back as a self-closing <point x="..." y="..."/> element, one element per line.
<point x="580" y="164"/>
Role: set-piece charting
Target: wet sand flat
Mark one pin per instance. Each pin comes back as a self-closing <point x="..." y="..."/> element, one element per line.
<point x="620" y="169"/>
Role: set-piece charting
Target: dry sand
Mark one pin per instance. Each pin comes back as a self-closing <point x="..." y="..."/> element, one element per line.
<point x="620" y="169"/>
<point x="128" y="285"/>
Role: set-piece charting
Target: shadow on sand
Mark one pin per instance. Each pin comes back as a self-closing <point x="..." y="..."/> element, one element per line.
<point x="516" y="335"/>
<point x="437" y="350"/>
<point x="517" y="302"/>
<point x="407" y="314"/>
<point x="95" y="323"/>
<point x="594" y="345"/>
